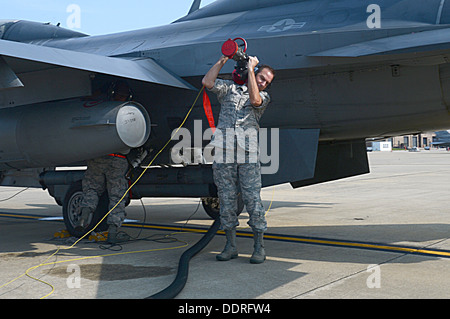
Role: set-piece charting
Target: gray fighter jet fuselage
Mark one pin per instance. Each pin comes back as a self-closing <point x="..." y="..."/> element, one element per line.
<point x="334" y="71"/>
<point x="349" y="95"/>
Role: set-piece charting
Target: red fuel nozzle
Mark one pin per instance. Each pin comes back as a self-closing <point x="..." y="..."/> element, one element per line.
<point x="232" y="50"/>
<point x="229" y="48"/>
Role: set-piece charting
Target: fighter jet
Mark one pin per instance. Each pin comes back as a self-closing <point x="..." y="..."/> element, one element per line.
<point x="347" y="70"/>
<point x="442" y="139"/>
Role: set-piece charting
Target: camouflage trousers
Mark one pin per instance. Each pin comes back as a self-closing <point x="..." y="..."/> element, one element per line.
<point x="106" y="173"/>
<point x="232" y="178"/>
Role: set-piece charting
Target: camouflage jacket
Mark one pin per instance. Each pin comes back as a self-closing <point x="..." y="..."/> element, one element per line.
<point x="237" y="116"/>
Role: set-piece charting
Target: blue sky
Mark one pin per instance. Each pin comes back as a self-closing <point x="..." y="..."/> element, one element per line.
<point x="99" y="16"/>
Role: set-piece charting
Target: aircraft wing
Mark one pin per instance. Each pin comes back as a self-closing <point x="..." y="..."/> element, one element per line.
<point x="440" y="143"/>
<point x="142" y="69"/>
<point x="426" y="41"/>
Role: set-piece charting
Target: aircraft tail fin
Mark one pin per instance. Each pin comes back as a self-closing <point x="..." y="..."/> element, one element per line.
<point x="195" y="6"/>
<point x="442" y="134"/>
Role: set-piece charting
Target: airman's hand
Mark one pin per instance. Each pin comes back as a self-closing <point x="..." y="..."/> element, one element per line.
<point x="252" y="62"/>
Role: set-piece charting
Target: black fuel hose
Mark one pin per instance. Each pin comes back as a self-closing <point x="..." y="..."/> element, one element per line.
<point x="183" y="266"/>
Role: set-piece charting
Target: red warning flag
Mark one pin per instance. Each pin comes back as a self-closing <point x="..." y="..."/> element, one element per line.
<point x="208" y="111"/>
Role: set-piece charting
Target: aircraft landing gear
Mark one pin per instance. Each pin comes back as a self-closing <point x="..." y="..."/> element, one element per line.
<point x="71" y="211"/>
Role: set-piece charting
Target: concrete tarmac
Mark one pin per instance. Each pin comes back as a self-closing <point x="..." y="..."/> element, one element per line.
<point x="379" y="235"/>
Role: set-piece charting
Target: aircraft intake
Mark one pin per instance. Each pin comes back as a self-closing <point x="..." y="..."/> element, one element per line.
<point x="61" y="133"/>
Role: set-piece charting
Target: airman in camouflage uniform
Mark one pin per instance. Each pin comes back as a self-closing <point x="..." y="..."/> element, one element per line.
<point x="105" y="173"/>
<point x="236" y="164"/>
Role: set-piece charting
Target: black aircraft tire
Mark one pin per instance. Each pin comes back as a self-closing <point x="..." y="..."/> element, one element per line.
<point x="72" y="201"/>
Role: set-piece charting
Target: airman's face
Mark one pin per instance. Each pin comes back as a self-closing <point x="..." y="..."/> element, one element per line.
<point x="264" y="78"/>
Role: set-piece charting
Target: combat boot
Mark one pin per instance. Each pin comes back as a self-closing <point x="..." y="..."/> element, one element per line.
<point x="230" y="250"/>
<point x="259" y="254"/>
<point x="85" y="220"/>
<point x="112" y="234"/>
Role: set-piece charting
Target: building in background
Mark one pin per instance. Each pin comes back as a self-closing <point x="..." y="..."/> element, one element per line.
<point x="407" y="142"/>
<point x="422" y="140"/>
<point x="382" y="146"/>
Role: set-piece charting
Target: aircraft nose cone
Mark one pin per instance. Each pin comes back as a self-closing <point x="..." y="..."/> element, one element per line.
<point x="133" y="124"/>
